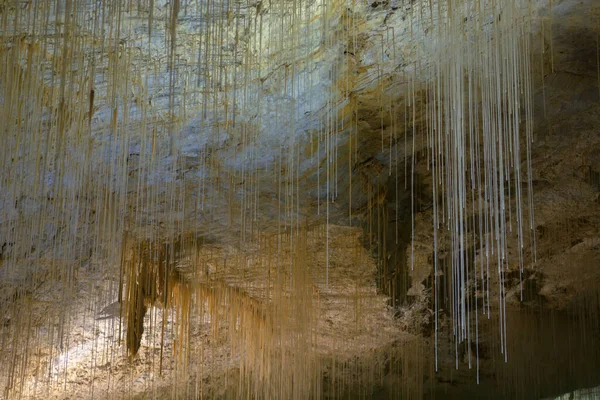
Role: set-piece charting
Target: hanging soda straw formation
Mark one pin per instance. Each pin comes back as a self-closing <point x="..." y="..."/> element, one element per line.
<point x="136" y="132"/>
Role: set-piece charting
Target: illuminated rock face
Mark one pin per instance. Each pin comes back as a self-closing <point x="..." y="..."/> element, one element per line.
<point x="219" y="199"/>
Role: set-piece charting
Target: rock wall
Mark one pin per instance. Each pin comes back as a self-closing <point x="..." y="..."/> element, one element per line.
<point x="147" y="123"/>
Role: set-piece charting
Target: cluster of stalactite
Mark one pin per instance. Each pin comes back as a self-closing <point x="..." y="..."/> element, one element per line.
<point x="194" y="153"/>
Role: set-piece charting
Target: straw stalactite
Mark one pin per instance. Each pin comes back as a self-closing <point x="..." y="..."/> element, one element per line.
<point x="295" y="199"/>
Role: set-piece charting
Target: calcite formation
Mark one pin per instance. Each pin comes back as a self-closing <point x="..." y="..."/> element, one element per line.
<point x="296" y="199"/>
